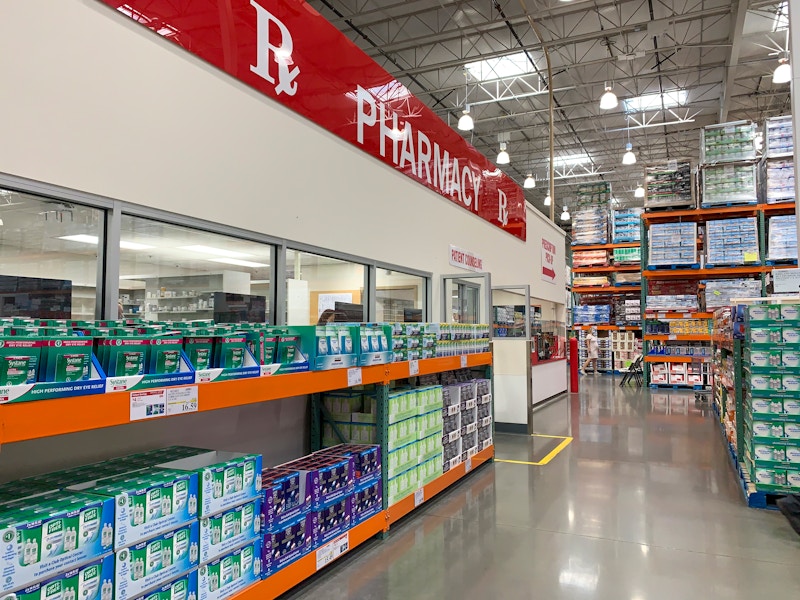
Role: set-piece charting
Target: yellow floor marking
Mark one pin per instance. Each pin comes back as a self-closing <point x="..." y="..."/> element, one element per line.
<point x="565" y="441"/>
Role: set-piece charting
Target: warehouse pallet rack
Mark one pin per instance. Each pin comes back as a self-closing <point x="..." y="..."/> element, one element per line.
<point x="758" y="269"/>
<point x="23" y="421"/>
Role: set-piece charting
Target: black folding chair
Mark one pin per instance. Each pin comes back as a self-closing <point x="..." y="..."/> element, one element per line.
<point x="634" y="373"/>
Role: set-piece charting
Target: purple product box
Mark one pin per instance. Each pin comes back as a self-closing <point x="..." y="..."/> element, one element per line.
<point x="366" y="461"/>
<point x="285" y="545"/>
<point x="367" y="502"/>
<point x="327" y="478"/>
<point x="331" y="520"/>
<point x="284" y="498"/>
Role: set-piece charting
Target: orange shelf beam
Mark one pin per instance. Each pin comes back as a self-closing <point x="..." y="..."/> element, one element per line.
<point x="672" y="337"/>
<point x="591" y="289"/>
<point x="702" y="273"/>
<point x="700" y="214"/>
<point x="676" y="359"/>
<point x="24" y="420"/>
<point x="606" y="246"/>
<point x="405" y="506"/>
<point x="305" y="567"/>
<point x="786" y="208"/>
<point x="608" y="269"/>
<point x="679" y="315"/>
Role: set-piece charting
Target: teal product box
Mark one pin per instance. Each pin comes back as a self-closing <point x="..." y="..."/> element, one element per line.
<point x="764" y="334"/>
<point x="790" y="358"/>
<point x="147" y="502"/>
<point x="156" y="561"/>
<point x="223" y="532"/>
<point x="224" y="479"/>
<point x="333" y="346"/>
<point x="376" y="346"/>
<point x="229" y="575"/>
<point x="182" y="588"/>
<point x="790" y="312"/>
<point x="402" y="405"/>
<point x="54" y="533"/>
<point x="791" y="383"/>
<point x="791" y="406"/>
<point x="765" y="358"/>
<point x="791" y="335"/>
<point x="760" y="383"/>
<point x="92" y="581"/>
<point x="766" y="406"/>
<point x="764" y="312"/>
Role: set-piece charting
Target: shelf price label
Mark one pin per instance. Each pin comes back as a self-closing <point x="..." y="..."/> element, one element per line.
<point x="687" y="315"/>
<point x="148" y="404"/>
<point x="413" y="368"/>
<point x="354" y="376"/>
<point x="182" y="400"/>
<point x="468" y="465"/>
<point x="419" y="497"/>
<point x="463" y="361"/>
<point x="333" y="550"/>
<point x="672" y="337"/>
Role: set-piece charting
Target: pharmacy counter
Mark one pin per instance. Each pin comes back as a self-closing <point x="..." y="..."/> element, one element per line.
<point x="548" y="379"/>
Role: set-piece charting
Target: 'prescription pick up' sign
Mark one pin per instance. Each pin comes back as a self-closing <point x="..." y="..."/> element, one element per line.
<point x="548" y="261"/>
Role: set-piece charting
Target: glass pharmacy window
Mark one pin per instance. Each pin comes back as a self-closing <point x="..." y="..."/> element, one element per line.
<point x="48" y="257"/>
<point x="320" y="289"/>
<point x="400" y="297"/>
<point x="176" y="273"/>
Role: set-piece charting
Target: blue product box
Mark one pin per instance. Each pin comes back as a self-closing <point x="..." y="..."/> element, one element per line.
<point x="92" y="581"/>
<point x="156" y="561"/>
<point x="327" y="478"/>
<point x="285" y="545"/>
<point x="366" y="461"/>
<point x="232" y="573"/>
<point x="184" y="588"/>
<point x="284" y="497"/>
<point x="53" y="532"/>
<point x="367" y="501"/>
<point x="221" y="533"/>
<point x="331" y="520"/>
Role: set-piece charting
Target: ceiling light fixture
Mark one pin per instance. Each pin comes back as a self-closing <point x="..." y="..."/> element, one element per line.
<point x="609" y="99"/>
<point x="81" y="238"/>
<point x="134" y="245"/>
<point x="530" y="182"/>
<point x="465" y="123"/>
<point x="639" y="191"/>
<point x="629" y="158"/>
<point x="547" y="200"/>
<point x="237" y="262"/>
<point x="565" y="216"/>
<point x="503" y="158"/>
<point x="217" y="251"/>
<point x="783" y="72"/>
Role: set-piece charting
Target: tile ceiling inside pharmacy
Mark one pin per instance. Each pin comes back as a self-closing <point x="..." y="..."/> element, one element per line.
<point x="675" y="65"/>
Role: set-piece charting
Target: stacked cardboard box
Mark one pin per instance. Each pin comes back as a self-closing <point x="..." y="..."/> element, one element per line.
<point x="669" y="185"/>
<point x="782" y="238"/>
<point x="673" y="244"/>
<point x="732" y="242"/>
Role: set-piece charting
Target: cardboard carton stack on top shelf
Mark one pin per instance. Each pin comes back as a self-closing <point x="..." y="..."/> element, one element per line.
<point x="669" y="185"/>
<point x="728" y="153"/>
<point x="779" y="164"/>
<point x="721" y="292"/>
<point x="782" y="239"/>
<point x="590" y="218"/>
<point x="673" y="244"/>
<point x="626" y="226"/>
<point x="732" y="242"/>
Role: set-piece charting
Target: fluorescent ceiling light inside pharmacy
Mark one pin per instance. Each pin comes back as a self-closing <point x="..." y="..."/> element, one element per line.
<point x="215" y="251"/>
<point x="238" y="262"/>
<point x="501" y="67"/>
<point x="656" y="101"/>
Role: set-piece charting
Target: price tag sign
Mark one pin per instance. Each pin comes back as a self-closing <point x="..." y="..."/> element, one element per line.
<point x="468" y="465"/>
<point x="463" y="361"/>
<point x="148" y="404"/>
<point x="687" y="315"/>
<point x="750" y="257"/>
<point x="332" y="550"/>
<point x="672" y="336"/>
<point x="182" y="400"/>
<point x="419" y="497"/>
<point x="354" y="376"/>
<point x="413" y="368"/>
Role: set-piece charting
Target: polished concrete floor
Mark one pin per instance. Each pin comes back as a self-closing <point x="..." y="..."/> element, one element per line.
<point x="642" y="505"/>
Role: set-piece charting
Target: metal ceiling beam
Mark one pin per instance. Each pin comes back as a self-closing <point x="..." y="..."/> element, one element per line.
<point x="733" y="59"/>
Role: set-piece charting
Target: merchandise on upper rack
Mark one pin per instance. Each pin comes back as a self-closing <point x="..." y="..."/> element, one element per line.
<point x="779" y="181"/>
<point x="670" y="303"/>
<point x="591" y="314"/>
<point x="590" y="280"/>
<point x="720" y="292"/>
<point x="732" y="242"/>
<point x="627" y="255"/>
<point x="627" y="310"/>
<point x="669" y="185"/>
<point x="729" y="184"/>
<point x="728" y="142"/>
<point x="626" y="225"/>
<point x="782" y="238"/>
<point x="779" y="136"/>
<point x="590" y="226"/>
<point x="673" y="244"/>
<point x="627" y="278"/>
<point x="594" y="194"/>
<point x="590" y="258"/>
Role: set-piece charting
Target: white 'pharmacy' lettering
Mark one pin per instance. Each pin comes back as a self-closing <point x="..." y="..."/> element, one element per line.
<point x="427" y="161"/>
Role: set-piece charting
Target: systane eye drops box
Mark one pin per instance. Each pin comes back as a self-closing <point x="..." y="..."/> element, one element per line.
<point x="148" y="502"/>
<point x="200" y="351"/>
<point x="165" y="355"/>
<point x="19" y="360"/>
<point x="93" y="581"/>
<point x="223" y="532"/>
<point x="67" y="359"/>
<point x="53" y="533"/>
<point x="225" y="479"/>
<point x="156" y="561"/>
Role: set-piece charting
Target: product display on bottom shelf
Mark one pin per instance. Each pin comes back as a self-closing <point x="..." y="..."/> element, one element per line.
<point x="673" y="244"/>
<point x="719" y="292"/>
<point x="782" y="238"/>
<point x="731" y="242"/>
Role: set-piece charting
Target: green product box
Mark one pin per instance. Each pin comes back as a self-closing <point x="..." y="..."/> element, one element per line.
<point x="790" y="358"/>
<point x="402" y="433"/>
<point x="92" y="581"/>
<point x="329" y="437"/>
<point x="430" y="447"/>
<point x="791" y="334"/>
<point x="200" y="350"/>
<point x="255" y="343"/>
<point x="182" y="588"/>
<point x="270" y="349"/>
<point x="123" y="356"/>
<point x="333" y="346"/>
<point x="147" y="502"/>
<point x="430" y="469"/>
<point x="165" y="355"/>
<point x="759" y="382"/>
<point x="765" y="334"/>
<point x="154" y="562"/>
<point x="66" y="359"/>
<point x="341" y="404"/>
<point x="229" y="575"/>
<point x="230" y="352"/>
<point x="403" y="485"/>
<point x="401" y="459"/>
<point x="764" y="312"/>
<point x="53" y="532"/>
<point x="19" y="360"/>
<point x="224" y="479"/>
<point x="363" y="433"/>
<point x="223" y="532"/>
<point x="764" y="358"/>
<point x="429" y="424"/>
<point x="402" y="405"/>
<point x="790" y="312"/>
